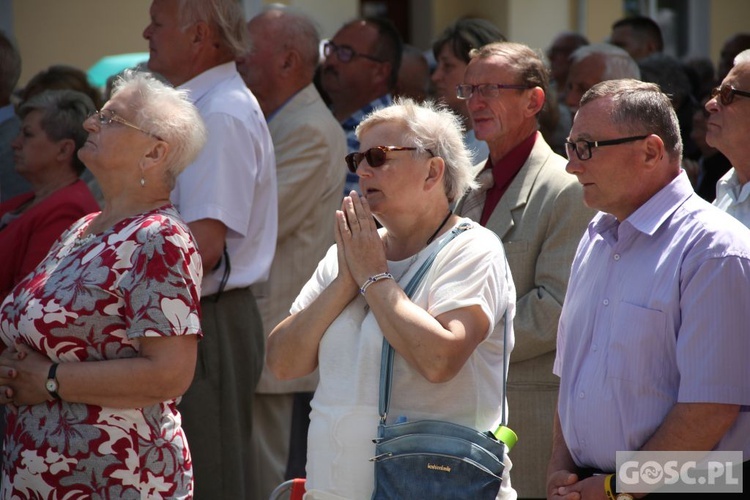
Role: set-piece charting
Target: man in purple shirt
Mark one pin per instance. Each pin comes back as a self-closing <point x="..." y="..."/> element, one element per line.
<point x="653" y="341"/>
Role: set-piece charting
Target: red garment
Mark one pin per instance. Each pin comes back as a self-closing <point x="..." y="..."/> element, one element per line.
<point x="92" y="299"/>
<point x="26" y="240"/>
<point x="504" y="172"/>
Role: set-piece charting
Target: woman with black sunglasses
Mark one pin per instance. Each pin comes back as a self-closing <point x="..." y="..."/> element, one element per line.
<point x="448" y="336"/>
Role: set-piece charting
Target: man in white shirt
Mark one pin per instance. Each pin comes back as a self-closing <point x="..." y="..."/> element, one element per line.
<point x="228" y="197"/>
<point x="727" y="130"/>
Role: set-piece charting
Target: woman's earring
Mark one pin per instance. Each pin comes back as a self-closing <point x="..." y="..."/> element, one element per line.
<point x="143" y="182"/>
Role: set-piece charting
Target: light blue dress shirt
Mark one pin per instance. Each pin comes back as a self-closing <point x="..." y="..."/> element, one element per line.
<point x="733" y="197"/>
<point x="657" y="312"/>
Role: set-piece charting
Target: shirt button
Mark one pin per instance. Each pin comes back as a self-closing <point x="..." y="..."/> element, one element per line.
<point x="605" y="302"/>
<point x="594" y="348"/>
<point x="617" y="256"/>
<point x="581" y="395"/>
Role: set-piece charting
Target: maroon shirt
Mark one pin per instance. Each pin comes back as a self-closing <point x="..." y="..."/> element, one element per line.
<point x="504" y="172"/>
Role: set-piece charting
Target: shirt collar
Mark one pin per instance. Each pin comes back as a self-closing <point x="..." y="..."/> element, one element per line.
<point x="652" y="214"/>
<point x="729" y="185"/>
<point x="200" y="85"/>
<point x="283" y="105"/>
<point x="508" y="166"/>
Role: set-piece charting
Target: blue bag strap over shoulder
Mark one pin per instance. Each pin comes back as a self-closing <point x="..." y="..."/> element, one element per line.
<point x="386" y="360"/>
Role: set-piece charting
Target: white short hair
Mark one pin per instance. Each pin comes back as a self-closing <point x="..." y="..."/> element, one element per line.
<point x="742" y="58"/>
<point x="166" y="113"/>
<point x="617" y="62"/>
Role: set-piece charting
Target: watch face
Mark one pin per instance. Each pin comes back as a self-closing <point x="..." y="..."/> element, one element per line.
<point x="51" y="385"/>
<point x="624" y="496"/>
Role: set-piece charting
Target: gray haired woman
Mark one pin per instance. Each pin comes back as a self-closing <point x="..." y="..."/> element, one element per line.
<point x="101" y="338"/>
<point x="45" y="154"/>
<point x="448" y="337"/>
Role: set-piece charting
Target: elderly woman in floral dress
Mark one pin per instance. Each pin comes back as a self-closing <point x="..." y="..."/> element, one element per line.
<point x="101" y="338"/>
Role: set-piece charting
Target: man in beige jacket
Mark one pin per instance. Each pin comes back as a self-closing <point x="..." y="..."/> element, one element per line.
<point x="536" y="209"/>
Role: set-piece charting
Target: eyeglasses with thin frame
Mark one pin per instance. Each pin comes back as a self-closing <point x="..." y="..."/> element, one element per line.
<point x="107" y="116"/>
<point x="583" y="148"/>
<point x="344" y="53"/>
<point x="486" y="90"/>
<point x="375" y="156"/>
<point x="726" y="94"/>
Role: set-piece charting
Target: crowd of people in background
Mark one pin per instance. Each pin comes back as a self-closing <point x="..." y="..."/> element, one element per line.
<point x="192" y="274"/>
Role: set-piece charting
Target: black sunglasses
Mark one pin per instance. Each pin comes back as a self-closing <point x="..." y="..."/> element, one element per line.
<point x="375" y="156"/>
<point x="726" y="94"/>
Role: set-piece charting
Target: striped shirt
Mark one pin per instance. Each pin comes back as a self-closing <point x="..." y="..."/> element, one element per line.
<point x="657" y="312"/>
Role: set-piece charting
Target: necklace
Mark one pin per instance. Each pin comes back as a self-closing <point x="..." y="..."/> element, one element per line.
<point x="429" y="240"/>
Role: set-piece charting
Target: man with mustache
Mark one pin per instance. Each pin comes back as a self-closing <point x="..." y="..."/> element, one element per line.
<point x="359" y="73"/>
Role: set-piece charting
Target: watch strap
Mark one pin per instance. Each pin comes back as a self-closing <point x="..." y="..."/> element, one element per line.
<point x="52" y="375"/>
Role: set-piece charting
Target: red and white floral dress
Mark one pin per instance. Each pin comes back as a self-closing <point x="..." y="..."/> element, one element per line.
<point x="92" y="299"/>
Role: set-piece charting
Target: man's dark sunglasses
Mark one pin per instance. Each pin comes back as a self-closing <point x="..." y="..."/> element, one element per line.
<point x="375" y="156"/>
<point x="726" y="94"/>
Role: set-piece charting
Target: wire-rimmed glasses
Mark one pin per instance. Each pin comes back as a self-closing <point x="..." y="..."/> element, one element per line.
<point x="107" y="116"/>
<point x="486" y="90"/>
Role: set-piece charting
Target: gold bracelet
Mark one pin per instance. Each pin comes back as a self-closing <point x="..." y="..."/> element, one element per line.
<point x="608" y="486"/>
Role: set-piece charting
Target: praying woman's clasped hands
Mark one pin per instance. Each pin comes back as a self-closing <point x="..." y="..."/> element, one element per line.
<point x="361" y="250"/>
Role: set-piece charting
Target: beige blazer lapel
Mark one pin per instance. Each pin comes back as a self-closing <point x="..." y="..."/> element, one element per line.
<point x="519" y="191"/>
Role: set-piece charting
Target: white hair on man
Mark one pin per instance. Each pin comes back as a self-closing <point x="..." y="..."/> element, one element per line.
<point x="618" y="63"/>
<point x="742" y="58"/>
<point x="225" y="15"/>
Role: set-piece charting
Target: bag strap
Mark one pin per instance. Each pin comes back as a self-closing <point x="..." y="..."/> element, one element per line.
<point x="386" y="359"/>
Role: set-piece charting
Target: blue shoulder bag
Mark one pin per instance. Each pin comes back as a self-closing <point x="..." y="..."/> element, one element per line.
<point x="433" y="458"/>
